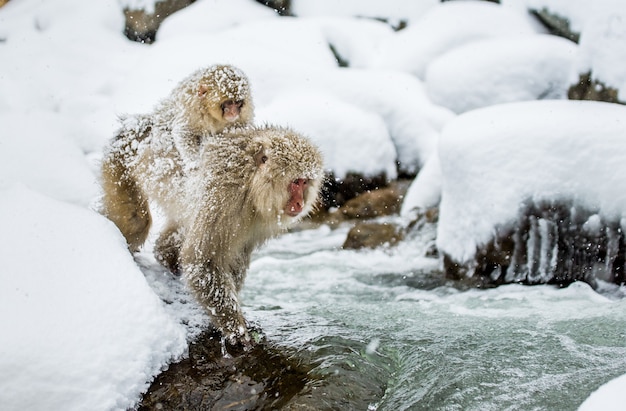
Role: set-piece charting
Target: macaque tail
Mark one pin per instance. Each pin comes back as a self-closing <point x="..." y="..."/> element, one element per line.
<point x="123" y="201"/>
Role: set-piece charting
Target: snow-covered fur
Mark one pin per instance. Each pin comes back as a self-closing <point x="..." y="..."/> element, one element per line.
<point x="216" y="213"/>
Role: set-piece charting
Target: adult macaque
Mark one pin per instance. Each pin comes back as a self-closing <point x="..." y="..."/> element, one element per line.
<point x="249" y="184"/>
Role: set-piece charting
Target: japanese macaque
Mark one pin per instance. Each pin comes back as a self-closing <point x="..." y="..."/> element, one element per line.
<point x="249" y="185"/>
<point x="206" y="102"/>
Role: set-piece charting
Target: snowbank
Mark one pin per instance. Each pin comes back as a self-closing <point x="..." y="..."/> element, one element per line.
<point x="602" y="28"/>
<point x="81" y="328"/>
<point x="344" y="133"/>
<point x="212" y="16"/>
<point x="447" y="26"/>
<point x="43" y="158"/>
<point x="609" y="397"/>
<point x="501" y="70"/>
<point x="425" y="190"/>
<point x="393" y="10"/>
<point x="495" y="159"/>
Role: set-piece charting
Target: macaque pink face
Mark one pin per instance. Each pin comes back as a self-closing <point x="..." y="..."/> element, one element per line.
<point x="296" y="189"/>
<point x="231" y="110"/>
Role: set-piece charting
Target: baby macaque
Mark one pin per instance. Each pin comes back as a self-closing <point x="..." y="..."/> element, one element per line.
<point x="206" y="102"/>
<point x="249" y="185"/>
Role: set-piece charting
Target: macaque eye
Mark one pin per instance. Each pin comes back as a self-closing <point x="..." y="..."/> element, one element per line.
<point x="239" y="103"/>
<point x="260" y="157"/>
<point x="226" y="103"/>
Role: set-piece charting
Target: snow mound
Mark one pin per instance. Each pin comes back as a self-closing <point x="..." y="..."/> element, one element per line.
<point x="43" y="158"/>
<point x="85" y="331"/>
<point x="344" y="133"/>
<point x="447" y="26"/>
<point x="494" y="159"/>
<point x="425" y="191"/>
<point x="609" y="397"/>
<point x="498" y="70"/>
<point x="602" y="51"/>
<point x="392" y="10"/>
<point x="212" y="16"/>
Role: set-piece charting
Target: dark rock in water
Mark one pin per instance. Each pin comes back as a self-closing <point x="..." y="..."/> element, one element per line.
<point x="336" y="192"/>
<point x="371" y="203"/>
<point x="372" y="235"/>
<point x="376" y="203"/>
<point x="330" y="374"/>
<point x="589" y="88"/>
<point x="263" y="378"/>
<point x="551" y="243"/>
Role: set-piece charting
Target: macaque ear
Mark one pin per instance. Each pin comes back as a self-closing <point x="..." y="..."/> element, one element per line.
<point x="202" y="90"/>
<point x="260" y="157"/>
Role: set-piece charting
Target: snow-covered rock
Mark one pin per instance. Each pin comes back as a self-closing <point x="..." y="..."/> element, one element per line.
<point x="81" y="328"/>
<point x="501" y="70"/>
<point x="447" y="26"/>
<point x="499" y="161"/>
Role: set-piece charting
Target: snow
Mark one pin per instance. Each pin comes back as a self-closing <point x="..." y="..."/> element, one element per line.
<point x="448" y="26"/>
<point x="392" y="10"/>
<point x="601" y="25"/>
<point x="501" y="70"/>
<point x="495" y="159"/>
<point x="609" y="397"/>
<point x="87" y="331"/>
<point x="81" y="327"/>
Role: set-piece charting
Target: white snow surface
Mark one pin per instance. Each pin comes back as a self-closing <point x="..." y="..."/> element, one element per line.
<point x="609" y="397"/>
<point x="501" y="70"/>
<point x="84" y="330"/>
<point x="447" y="26"/>
<point x="602" y="28"/>
<point x="495" y="159"/>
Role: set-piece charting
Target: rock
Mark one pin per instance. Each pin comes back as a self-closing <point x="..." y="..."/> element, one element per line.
<point x="282" y="7"/>
<point x="263" y="378"/>
<point x="336" y="192"/>
<point x="372" y="235"/>
<point x="551" y="243"/>
<point x="142" y="26"/>
<point x="588" y="88"/>
<point x="376" y="203"/>
<point x="369" y="204"/>
<point x="556" y="24"/>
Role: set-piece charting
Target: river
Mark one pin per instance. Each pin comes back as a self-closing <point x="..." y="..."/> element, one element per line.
<point x="382" y="330"/>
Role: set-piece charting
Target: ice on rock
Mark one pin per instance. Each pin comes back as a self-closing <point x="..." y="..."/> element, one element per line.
<point x="524" y="177"/>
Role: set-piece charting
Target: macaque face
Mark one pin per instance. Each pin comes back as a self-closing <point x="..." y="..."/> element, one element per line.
<point x="297" y="191"/>
<point x="231" y="110"/>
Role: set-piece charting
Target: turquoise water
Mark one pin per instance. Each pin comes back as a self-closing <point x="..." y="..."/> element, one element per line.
<point x="384" y="331"/>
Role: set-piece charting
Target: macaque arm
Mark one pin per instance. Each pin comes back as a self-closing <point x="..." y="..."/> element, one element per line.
<point x="213" y="285"/>
<point x="215" y="291"/>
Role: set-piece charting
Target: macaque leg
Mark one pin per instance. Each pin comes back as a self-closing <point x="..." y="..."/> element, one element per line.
<point x="124" y="203"/>
<point x="167" y="248"/>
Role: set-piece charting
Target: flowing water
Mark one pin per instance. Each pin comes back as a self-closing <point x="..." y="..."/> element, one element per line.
<point x="381" y="330"/>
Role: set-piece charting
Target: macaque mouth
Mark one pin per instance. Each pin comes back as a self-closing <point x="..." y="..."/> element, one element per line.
<point x="231" y="110"/>
<point x="296" y="189"/>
